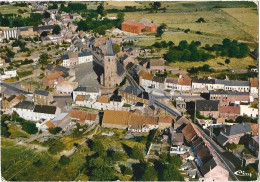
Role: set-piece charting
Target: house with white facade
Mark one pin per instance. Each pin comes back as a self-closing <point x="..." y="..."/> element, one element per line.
<point x="246" y="109"/>
<point x="203" y="83"/>
<point x="8" y="74"/>
<point x="66" y="87"/>
<point x="29" y="111"/>
<point x="75" y="58"/>
<point x="85" y="57"/>
<point x="93" y="92"/>
<point x="233" y="85"/>
<point x="254" y="85"/>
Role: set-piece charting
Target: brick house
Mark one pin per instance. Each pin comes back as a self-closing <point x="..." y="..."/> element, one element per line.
<point x="227" y="98"/>
<point x="42" y="97"/>
<point x="232" y="134"/>
<point x="229" y="112"/>
<point x="208" y="108"/>
<point x="53" y="79"/>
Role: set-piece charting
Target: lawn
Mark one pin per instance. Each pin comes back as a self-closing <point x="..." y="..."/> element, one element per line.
<point x="17" y="164"/>
<point x="235" y="63"/>
<point x="24" y="74"/>
<point x="9" y="9"/>
<point x="10" y="80"/>
<point x="16" y="132"/>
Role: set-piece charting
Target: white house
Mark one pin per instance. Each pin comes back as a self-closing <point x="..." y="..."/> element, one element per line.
<point x="234" y="85"/>
<point x="203" y="83"/>
<point x="8" y="74"/>
<point x="85" y="57"/>
<point x="170" y="83"/>
<point x="65" y="60"/>
<point x="249" y="111"/>
<point x="29" y="111"/>
<point x="254" y="85"/>
<point x="93" y="92"/>
<point x="66" y="87"/>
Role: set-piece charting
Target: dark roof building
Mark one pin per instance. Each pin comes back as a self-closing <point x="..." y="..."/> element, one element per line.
<point x="203" y="80"/>
<point x="41" y="92"/>
<point x="232" y="83"/>
<point x="25" y="105"/>
<point x="207" y="105"/>
<point x="237" y="129"/>
<point x="110" y="50"/>
<point x="45" y="109"/>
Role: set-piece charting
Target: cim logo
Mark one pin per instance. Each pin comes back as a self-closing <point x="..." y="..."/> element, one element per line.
<point x="242" y="173"/>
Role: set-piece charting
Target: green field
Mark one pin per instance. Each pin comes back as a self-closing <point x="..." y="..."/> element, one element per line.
<point x="17" y="163"/>
<point x="9" y="9"/>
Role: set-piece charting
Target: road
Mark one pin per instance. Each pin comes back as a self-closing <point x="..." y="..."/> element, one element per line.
<point x="219" y="151"/>
<point x="166" y="108"/>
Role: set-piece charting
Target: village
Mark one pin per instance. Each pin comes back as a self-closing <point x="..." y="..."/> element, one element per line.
<point x="121" y="104"/>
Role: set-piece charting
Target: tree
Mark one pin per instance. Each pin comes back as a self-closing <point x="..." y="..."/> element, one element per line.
<point x="101" y="10"/>
<point x="170" y="173"/>
<point x="183" y="45"/>
<point x="64" y="160"/>
<point x="156" y="5"/>
<point x="103" y="173"/>
<point x="170" y="43"/>
<point x="160" y="30"/>
<point x="227" y="61"/>
<point x="15" y="116"/>
<point x="37" y="163"/>
<point x="120" y="18"/>
<point x="116" y="48"/>
<point x="201" y="20"/>
<point x="126" y="170"/>
<point x="98" y="147"/>
<point x="56" y="147"/>
<point x="46" y="14"/>
<point x="56" y="30"/>
<point x="29" y="127"/>
<point x="44" y="34"/>
<point x="137" y="153"/>
<point x="44" y="59"/>
<point x="82" y="25"/>
<point x="101" y="30"/>
<point x="149" y="174"/>
<point x="55" y="130"/>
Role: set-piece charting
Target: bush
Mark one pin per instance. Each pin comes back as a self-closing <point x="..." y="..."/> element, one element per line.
<point x="137" y="153"/>
<point x="187" y="30"/>
<point x="56" y="147"/>
<point x="37" y="163"/>
<point x="64" y="160"/>
<point x="201" y="20"/>
<point x="227" y="61"/>
<point x="55" y="130"/>
<point x="29" y="127"/>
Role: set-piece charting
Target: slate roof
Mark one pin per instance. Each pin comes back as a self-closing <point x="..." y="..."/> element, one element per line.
<point x="203" y="80"/>
<point x="237" y="129"/>
<point x="45" y="109"/>
<point x="25" y="105"/>
<point x="207" y="105"/>
<point x="65" y="75"/>
<point x="82" y="54"/>
<point x="11" y="98"/>
<point x="45" y="27"/>
<point x="87" y="89"/>
<point x="158" y="79"/>
<point x="49" y="67"/>
<point x="41" y="92"/>
<point x="208" y="166"/>
<point x="221" y="139"/>
<point x="139" y="104"/>
<point x="120" y="69"/>
<point x="64" y="56"/>
<point x="133" y="90"/>
<point x="110" y="50"/>
<point x="61" y="68"/>
<point x="233" y="82"/>
<point x="116" y="98"/>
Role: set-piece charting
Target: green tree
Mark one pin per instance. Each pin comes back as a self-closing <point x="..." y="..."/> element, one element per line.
<point x="29" y="127"/>
<point x="44" y="59"/>
<point x="137" y="153"/>
<point x="171" y="173"/>
<point x="183" y="45"/>
<point x="44" y="34"/>
<point x="82" y="25"/>
<point x="98" y="147"/>
<point x="103" y="173"/>
<point x="56" y="30"/>
<point x="46" y="14"/>
<point x="149" y="174"/>
<point x="227" y="61"/>
<point x="156" y="5"/>
<point x="56" y="147"/>
<point x="160" y="30"/>
<point x="120" y="18"/>
<point x="64" y="160"/>
<point x="101" y="30"/>
<point x="101" y="10"/>
<point x="15" y="116"/>
<point x="116" y="48"/>
<point x="201" y="20"/>
<point x="55" y="130"/>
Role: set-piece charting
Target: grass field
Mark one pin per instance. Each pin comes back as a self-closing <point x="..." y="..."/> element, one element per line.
<point x="17" y="164"/>
<point x="9" y="9"/>
<point x="24" y="74"/>
<point x="234" y="63"/>
<point x="16" y="132"/>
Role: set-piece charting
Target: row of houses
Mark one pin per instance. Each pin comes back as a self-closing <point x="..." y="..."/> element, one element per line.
<point x="209" y="164"/>
<point x="135" y="122"/>
<point x="29" y="111"/>
<point x="75" y="58"/>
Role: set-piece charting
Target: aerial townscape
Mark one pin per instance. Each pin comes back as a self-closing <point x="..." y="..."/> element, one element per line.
<point x="129" y="91"/>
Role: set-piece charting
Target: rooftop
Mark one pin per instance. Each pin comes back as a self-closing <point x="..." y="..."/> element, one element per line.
<point x="45" y="109"/>
<point x="25" y="105"/>
<point x="207" y="105"/>
<point x="41" y="92"/>
<point x="237" y="129"/>
<point x="110" y="50"/>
